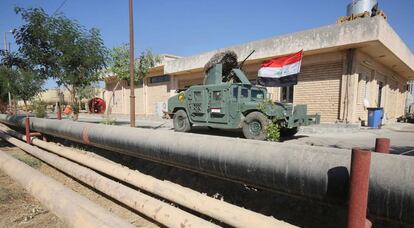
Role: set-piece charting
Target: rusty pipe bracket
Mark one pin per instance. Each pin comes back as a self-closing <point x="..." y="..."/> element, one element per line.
<point x="27" y="129"/>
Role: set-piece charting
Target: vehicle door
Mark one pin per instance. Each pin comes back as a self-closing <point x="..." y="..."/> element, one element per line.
<point x="233" y="106"/>
<point x="197" y="105"/>
<point x="217" y="108"/>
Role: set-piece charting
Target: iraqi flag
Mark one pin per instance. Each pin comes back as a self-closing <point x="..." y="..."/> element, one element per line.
<point x="282" y="71"/>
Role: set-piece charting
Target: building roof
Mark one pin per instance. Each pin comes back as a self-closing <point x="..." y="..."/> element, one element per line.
<point x="374" y="36"/>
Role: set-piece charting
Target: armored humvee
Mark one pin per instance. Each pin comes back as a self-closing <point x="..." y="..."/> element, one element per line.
<point x="234" y="104"/>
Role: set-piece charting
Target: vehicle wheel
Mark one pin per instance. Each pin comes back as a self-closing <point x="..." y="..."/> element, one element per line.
<point x="288" y="132"/>
<point x="254" y="126"/>
<point x="181" y="122"/>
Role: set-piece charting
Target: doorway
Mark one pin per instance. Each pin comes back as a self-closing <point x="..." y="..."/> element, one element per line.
<point x="380" y="90"/>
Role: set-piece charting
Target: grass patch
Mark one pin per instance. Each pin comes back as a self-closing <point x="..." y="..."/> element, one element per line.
<point x="6" y="194"/>
<point x="108" y="121"/>
<point x="32" y="162"/>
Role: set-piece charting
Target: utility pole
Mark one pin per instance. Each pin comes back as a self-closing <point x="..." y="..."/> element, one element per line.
<point x="5" y="48"/>
<point x="131" y="66"/>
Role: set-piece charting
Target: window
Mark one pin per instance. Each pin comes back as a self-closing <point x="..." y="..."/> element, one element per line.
<point x="245" y="92"/>
<point x="257" y="94"/>
<point x="286" y="94"/>
<point x="197" y="96"/>
<point x="217" y="95"/>
<point x="160" y="78"/>
<point x="235" y="92"/>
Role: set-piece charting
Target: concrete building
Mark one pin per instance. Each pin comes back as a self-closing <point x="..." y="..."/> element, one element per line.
<point x="346" y="68"/>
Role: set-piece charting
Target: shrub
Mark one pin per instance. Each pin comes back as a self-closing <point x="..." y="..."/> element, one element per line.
<point x="272" y="132"/>
<point x="39" y="108"/>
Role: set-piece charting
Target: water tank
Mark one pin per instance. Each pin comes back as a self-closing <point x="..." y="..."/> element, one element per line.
<point x="360" y="6"/>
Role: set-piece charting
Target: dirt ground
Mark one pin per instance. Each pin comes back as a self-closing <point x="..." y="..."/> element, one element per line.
<point x="19" y="209"/>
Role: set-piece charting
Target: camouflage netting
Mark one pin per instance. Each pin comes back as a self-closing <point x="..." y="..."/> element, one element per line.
<point x="227" y="58"/>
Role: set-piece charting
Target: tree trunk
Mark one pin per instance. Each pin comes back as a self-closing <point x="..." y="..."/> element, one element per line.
<point x="74" y="103"/>
<point x="108" y="111"/>
<point x="25" y="108"/>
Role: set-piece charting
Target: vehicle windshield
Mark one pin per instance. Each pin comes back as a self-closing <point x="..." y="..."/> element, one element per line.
<point x="257" y="94"/>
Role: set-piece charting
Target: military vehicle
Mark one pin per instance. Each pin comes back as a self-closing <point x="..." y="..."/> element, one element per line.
<point x="228" y="100"/>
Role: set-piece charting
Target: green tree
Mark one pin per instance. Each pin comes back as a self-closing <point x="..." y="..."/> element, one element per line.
<point x="60" y="48"/>
<point x="17" y="77"/>
<point x="23" y="84"/>
<point x="118" y="65"/>
<point x="87" y="92"/>
<point x="4" y="88"/>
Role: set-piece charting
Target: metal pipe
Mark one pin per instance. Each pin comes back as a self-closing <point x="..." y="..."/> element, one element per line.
<point x="358" y="195"/>
<point x="161" y="212"/>
<point x="220" y="210"/>
<point x="382" y="145"/>
<point x="75" y="210"/>
<point x="320" y="173"/>
<point x="131" y="65"/>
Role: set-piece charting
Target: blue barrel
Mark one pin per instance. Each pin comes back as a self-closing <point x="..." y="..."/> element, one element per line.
<point x="375" y="117"/>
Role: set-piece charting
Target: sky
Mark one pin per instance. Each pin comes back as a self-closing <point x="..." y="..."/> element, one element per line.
<point x="189" y="27"/>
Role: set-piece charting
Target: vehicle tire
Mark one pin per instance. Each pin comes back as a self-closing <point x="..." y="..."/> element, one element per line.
<point x="288" y="132"/>
<point x="254" y="126"/>
<point x="181" y="122"/>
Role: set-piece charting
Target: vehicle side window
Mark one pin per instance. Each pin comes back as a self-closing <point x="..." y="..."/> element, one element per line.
<point x="245" y="93"/>
<point x="235" y="92"/>
<point x="197" y="95"/>
<point x="217" y="95"/>
<point x="257" y="94"/>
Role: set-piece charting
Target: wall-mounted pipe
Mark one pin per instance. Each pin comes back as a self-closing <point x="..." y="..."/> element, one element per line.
<point x="317" y="172"/>
<point x="74" y="209"/>
<point x="155" y="209"/>
<point x="217" y="209"/>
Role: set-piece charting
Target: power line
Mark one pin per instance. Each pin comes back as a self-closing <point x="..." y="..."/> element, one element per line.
<point x="61" y="5"/>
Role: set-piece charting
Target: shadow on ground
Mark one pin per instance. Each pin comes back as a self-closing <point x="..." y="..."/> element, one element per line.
<point x="297" y="211"/>
<point x="402" y="150"/>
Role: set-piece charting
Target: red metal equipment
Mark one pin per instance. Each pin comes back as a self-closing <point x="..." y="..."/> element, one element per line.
<point x="97" y="105"/>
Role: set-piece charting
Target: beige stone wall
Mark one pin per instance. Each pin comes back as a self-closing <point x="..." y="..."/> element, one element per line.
<point x="118" y="99"/>
<point x="370" y="73"/>
<point x="319" y="88"/>
<point x="157" y="92"/>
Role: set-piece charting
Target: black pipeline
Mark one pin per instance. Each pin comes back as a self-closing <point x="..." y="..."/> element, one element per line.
<point x="315" y="172"/>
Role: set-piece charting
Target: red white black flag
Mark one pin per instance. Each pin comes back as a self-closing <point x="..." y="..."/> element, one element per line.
<point x="281" y="71"/>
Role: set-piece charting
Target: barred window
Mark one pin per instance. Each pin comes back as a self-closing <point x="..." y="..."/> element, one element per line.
<point x="160" y="78"/>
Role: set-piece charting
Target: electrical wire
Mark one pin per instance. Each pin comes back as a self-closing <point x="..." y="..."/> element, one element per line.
<point x="61" y="5"/>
